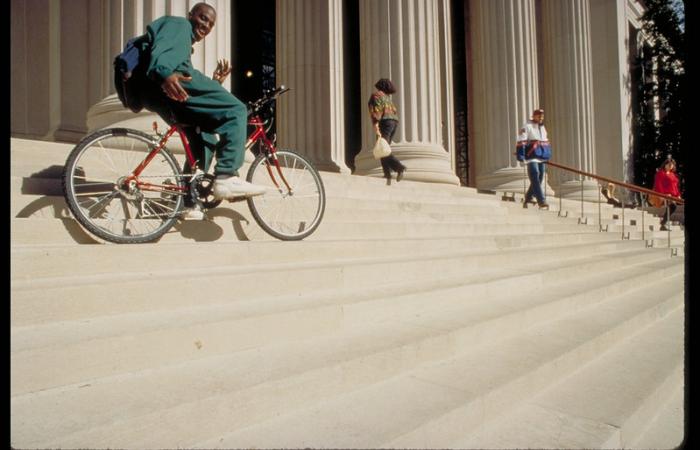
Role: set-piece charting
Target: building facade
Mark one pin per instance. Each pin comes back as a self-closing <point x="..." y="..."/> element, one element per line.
<point x="468" y="72"/>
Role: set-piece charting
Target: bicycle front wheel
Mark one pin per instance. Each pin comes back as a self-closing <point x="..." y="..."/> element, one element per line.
<point x="293" y="207"/>
<point x="108" y="200"/>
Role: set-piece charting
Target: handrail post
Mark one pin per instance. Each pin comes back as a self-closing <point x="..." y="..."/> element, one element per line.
<point x="560" y="196"/>
<point x="525" y="177"/>
<point x="623" y="220"/>
<point x="600" y="214"/>
<point x="544" y="181"/>
<point x="582" y="199"/>
<point x="643" y="226"/>
<point x="668" y="216"/>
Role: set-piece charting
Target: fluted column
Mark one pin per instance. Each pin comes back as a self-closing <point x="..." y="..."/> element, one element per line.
<point x="568" y="80"/>
<point x="116" y="21"/>
<point x="504" y="87"/>
<point x="400" y="40"/>
<point x="310" y="62"/>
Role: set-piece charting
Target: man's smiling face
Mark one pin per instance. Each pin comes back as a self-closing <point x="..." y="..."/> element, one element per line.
<point x="202" y="18"/>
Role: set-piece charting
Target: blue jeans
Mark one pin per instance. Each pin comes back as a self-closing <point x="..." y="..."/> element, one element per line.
<point x="535" y="172"/>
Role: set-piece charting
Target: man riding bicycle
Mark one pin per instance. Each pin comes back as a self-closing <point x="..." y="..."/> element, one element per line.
<point x="180" y="93"/>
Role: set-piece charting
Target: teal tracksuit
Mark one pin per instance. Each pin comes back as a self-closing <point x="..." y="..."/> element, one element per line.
<point x="209" y="106"/>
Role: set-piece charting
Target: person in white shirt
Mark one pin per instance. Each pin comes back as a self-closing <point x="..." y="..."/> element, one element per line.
<point x="533" y="148"/>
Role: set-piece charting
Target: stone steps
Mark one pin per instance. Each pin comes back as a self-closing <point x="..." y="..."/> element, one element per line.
<point x="30" y="260"/>
<point x="598" y="407"/>
<point x="418" y="315"/>
<point x="43" y="299"/>
<point x="665" y="428"/>
<point x="390" y="341"/>
<point x="230" y="226"/>
<point x="463" y="392"/>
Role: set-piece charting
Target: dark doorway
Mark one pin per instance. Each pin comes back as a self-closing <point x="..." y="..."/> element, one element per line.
<point x="352" y="87"/>
<point x="459" y="77"/>
<point x="252" y="48"/>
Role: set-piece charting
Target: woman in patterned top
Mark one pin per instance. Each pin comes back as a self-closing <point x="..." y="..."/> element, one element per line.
<point x="382" y="111"/>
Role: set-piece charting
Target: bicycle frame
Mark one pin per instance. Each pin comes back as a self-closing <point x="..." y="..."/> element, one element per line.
<point x="257" y="135"/>
<point x="143" y="185"/>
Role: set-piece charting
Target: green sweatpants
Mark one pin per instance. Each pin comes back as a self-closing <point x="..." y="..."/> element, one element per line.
<point x="214" y="110"/>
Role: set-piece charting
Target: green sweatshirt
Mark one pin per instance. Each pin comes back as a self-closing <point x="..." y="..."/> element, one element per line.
<point x="171" y="47"/>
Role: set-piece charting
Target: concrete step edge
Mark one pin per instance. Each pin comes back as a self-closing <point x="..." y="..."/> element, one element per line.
<point x="36" y="306"/>
<point x="30" y="337"/>
<point x="40" y="262"/>
<point x="236" y="268"/>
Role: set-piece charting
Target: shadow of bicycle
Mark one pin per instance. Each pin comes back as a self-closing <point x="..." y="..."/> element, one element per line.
<point x="209" y="230"/>
<point x="51" y="205"/>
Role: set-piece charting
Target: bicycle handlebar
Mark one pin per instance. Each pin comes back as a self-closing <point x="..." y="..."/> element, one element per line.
<point x="268" y="96"/>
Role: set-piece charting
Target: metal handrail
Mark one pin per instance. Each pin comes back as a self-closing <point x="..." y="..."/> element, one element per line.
<point x="631" y="187"/>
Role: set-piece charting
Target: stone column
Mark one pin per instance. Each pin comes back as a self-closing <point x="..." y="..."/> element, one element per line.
<point x="35" y="68"/>
<point x="310" y="62"/>
<point x="400" y="40"/>
<point x="504" y="87"/>
<point x="113" y="22"/>
<point x="568" y="104"/>
<point x="446" y="83"/>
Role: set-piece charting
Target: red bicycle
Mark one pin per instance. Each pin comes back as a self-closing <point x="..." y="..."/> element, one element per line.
<point x="125" y="186"/>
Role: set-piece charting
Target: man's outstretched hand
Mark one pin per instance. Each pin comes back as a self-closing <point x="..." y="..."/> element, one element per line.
<point x="223" y="69"/>
<point x="172" y="87"/>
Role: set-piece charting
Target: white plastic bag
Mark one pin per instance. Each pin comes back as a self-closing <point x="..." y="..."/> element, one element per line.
<point x="381" y="148"/>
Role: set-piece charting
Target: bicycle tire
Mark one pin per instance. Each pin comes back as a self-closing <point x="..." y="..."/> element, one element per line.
<point x="284" y="215"/>
<point x="100" y="202"/>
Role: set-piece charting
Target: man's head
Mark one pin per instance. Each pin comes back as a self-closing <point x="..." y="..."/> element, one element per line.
<point x="202" y="17"/>
<point x="538" y="115"/>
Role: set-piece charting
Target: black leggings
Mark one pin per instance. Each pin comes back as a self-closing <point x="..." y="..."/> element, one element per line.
<point x="668" y="212"/>
<point x="387" y="128"/>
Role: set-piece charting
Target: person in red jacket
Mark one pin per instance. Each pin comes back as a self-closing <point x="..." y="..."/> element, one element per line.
<point x="666" y="182"/>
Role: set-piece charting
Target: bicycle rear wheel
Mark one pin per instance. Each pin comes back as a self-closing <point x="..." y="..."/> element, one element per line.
<point x="106" y="202"/>
<point x="293" y="207"/>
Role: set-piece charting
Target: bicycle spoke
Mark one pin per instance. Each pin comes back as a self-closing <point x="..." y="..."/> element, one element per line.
<point x="153" y="212"/>
<point x="141" y="214"/>
<point x="109" y="157"/>
<point x="162" y="205"/>
<point x="100" y="200"/>
<point x="290" y="214"/>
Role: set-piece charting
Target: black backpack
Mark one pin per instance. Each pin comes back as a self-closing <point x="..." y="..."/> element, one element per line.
<point x="130" y="73"/>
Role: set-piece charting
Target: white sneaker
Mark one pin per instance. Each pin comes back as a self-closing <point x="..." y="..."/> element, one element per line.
<point x="193" y="213"/>
<point x="236" y="187"/>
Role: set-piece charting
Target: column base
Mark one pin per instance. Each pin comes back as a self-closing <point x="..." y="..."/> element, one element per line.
<point x="109" y="113"/>
<point x="426" y="163"/>
<point x="329" y="166"/>
<point x="572" y="190"/>
<point x="509" y="179"/>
